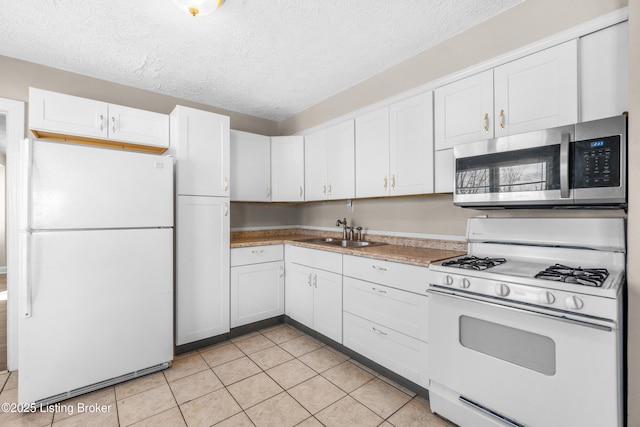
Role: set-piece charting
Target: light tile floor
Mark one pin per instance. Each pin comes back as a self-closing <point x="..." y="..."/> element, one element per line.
<point x="276" y="377"/>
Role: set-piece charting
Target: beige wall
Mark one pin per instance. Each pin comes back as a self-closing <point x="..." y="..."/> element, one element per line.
<point x="263" y="215"/>
<point x="16" y="77"/>
<point x="433" y="214"/>
<point x="633" y="224"/>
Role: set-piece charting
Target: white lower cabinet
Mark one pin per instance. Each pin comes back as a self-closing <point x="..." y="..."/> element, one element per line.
<point x="314" y="290"/>
<point x="385" y="314"/>
<point x="401" y="354"/>
<point x="202" y="268"/>
<point x="257" y="284"/>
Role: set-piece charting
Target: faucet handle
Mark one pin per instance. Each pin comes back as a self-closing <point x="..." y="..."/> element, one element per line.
<point x="359" y="233"/>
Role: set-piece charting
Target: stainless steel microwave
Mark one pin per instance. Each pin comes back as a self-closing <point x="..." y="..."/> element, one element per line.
<point x="581" y="165"/>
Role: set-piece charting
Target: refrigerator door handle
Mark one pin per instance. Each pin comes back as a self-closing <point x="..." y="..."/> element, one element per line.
<point x="24" y="282"/>
<point x="24" y="185"/>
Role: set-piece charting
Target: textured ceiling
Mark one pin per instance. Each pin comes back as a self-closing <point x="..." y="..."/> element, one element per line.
<point x="267" y="58"/>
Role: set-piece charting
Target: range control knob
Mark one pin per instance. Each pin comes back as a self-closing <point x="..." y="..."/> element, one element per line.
<point x="501" y="290"/>
<point x="448" y="280"/>
<point x="573" y="302"/>
<point x="547" y="298"/>
<point x="465" y="283"/>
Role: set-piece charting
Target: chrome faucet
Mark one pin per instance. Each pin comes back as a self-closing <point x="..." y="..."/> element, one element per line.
<point x="343" y="223"/>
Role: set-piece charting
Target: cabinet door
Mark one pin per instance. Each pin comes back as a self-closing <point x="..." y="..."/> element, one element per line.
<point x="372" y="154"/>
<point x="250" y="167"/>
<point x="341" y="166"/>
<point x="257" y="292"/>
<point x="411" y="146"/>
<point x="287" y="169"/>
<point x="138" y="126"/>
<point x="299" y="293"/>
<point x="315" y="165"/>
<point x="200" y="143"/>
<point x="202" y="268"/>
<point x="66" y="114"/>
<point x="327" y="304"/>
<point x="444" y="171"/>
<point x="604" y="73"/>
<point x="538" y="91"/>
<point x="464" y="111"/>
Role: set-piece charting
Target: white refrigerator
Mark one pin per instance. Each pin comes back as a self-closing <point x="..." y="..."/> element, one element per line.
<point x="96" y="268"/>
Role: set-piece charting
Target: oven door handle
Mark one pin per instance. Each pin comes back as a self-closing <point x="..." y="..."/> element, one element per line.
<point x="433" y="288"/>
<point x="564" y="165"/>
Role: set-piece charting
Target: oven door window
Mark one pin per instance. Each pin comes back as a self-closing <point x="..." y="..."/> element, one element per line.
<point x="523" y="348"/>
<point x="531" y="169"/>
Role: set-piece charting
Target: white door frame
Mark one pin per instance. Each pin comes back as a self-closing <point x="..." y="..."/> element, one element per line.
<point x="14" y="111"/>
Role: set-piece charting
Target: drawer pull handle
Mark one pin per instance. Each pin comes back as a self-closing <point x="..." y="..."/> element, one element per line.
<point x="281" y="271"/>
<point x="378" y="331"/>
<point x="380" y="291"/>
<point x="375" y="267"/>
<point x="309" y="281"/>
<point x="257" y="251"/>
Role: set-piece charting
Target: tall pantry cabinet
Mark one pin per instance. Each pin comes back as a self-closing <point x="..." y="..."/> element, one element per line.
<point x="200" y="144"/>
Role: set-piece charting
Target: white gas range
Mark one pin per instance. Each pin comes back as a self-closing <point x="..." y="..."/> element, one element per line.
<point x="526" y="329"/>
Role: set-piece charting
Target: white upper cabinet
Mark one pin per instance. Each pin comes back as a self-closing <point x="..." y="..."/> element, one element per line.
<point x="60" y="116"/>
<point x="372" y="154"/>
<point x="250" y="167"/>
<point x="604" y="73"/>
<point x="330" y="163"/>
<point x="200" y="143"/>
<point x="444" y="170"/>
<point x="287" y="169"/>
<point x="464" y="111"/>
<point x="411" y="146"/>
<point x="534" y="92"/>
<point x="538" y="91"/>
<point x="394" y="149"/>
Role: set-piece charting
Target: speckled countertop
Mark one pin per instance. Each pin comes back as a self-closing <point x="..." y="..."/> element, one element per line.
<point x="407" y="250"/>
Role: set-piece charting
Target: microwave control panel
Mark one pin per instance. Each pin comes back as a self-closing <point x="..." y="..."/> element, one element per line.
<point x="596" y="162"/>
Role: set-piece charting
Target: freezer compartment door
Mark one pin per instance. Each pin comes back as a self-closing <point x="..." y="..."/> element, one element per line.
<point x="78" y="187"/>
<point x="101" y="307"/>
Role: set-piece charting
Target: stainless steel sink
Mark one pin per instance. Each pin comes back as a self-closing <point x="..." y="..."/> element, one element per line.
<point x="333" y="241"/>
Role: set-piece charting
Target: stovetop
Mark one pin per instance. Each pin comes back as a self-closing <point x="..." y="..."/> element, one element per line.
<point x="599" y="278"/>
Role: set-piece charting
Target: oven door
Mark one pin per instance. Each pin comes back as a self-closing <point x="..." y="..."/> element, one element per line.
<point x="530" y="369"/>
<point x="520" y="170"/>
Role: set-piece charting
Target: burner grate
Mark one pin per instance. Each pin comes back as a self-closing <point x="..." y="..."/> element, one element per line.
<point x="582" y="276"/>
<point x="474" y="262"/>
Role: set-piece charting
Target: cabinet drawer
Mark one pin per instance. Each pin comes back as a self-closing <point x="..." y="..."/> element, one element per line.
<point x="256" y="254"/>
<point x="405" y="312"/>
<point x="407" y="277"/>
<point x="403" y="355"/>
<point x="323" y="260"/>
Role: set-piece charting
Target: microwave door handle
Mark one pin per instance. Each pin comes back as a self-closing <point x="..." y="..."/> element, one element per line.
<point x="564" y="165"/>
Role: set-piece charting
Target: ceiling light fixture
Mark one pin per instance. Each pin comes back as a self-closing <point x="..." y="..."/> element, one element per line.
<point x="198" y="7"/>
